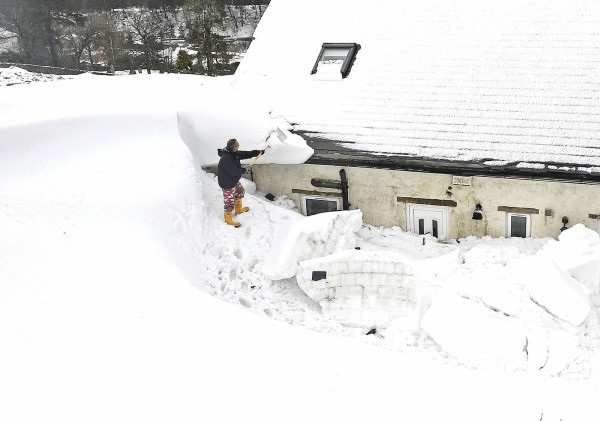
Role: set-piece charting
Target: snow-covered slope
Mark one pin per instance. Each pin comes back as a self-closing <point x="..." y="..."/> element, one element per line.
<point x="112" y="242"/>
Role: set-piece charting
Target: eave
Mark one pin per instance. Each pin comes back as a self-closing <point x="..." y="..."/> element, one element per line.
<point x="329" y="152"/>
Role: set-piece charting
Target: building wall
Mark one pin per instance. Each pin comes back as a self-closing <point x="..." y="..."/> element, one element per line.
<point x="375" y="193"/>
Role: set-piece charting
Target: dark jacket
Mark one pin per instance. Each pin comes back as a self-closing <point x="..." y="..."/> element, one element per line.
<point x="230" y="169"/>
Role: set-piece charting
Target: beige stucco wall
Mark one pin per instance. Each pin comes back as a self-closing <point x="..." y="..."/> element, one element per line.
<point x="375" y="192"/>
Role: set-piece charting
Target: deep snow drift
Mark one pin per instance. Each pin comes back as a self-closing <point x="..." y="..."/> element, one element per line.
<point x="111" y="235"/>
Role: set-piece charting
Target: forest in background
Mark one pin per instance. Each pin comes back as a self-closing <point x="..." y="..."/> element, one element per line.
<point x="192" y="36"/>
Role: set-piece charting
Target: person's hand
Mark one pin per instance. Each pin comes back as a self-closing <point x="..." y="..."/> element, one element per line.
<point x="263" y="151"/>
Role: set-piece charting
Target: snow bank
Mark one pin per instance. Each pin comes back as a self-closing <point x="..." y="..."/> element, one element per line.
<point x="209" y="127"/>
<point x="360" y="288"/>
<point x="308" y="238"/>
<point x="209" y="124"/>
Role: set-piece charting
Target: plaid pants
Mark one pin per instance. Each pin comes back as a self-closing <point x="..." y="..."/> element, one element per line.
<point x="231" y="195"/>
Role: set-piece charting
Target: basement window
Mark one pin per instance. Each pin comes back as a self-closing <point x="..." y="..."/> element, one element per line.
<point x="518" y="225"/>
<point x="335" y="60"/>
<point x="312" y="205"/>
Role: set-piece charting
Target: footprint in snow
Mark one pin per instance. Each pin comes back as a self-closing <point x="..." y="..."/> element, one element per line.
<point x="238" y="253"/>
<point x="245" y="302"/>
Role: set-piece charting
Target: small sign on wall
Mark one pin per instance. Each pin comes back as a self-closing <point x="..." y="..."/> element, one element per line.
<point x="458" y="180"/>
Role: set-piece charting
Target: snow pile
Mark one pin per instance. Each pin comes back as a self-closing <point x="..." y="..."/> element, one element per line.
<point x="360" y="288"/>
<point x="15" y="75"/>
<point x="527" y="303"/>
<point x="311" y="237"/>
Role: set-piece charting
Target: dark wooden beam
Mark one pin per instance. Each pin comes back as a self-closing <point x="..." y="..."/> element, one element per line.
<point x="422" y="201"/>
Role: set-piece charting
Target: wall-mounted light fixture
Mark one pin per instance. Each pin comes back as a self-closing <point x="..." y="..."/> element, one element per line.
<point x="448" y="194"/>
<point x="478" y="214"/>
<point x="565" y="221"/>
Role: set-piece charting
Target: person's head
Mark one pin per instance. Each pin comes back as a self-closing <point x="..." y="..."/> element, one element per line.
<point x="233" y="145"/>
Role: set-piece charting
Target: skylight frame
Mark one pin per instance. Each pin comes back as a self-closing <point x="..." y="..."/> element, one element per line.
<point x="348" y="61"/>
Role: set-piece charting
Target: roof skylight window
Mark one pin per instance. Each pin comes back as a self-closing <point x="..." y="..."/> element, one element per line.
<point x="335" y="59"/>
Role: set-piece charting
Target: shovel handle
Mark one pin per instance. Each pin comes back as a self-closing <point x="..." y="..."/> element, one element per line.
<point x="255" y="159"/>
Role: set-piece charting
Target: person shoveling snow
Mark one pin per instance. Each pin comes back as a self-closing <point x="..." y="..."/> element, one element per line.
<point x="230" y="172"/>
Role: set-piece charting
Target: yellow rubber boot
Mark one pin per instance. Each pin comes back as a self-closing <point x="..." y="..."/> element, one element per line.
<point x="239" y="208"/>
<point x="229" y="220"/>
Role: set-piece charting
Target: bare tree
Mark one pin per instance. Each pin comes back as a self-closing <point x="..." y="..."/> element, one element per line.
<point x="37" y="24"/>
<point x="147" y="27"/>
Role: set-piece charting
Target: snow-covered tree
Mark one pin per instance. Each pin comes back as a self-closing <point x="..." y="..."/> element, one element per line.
<point x="184" y="61"/>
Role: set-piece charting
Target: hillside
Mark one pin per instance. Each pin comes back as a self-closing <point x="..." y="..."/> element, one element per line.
<point x="136" y="38"/>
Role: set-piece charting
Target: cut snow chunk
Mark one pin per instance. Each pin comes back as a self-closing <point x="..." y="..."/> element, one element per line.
<point x="551" y="287"/>
<point x="491" y="287"/>
<point x="308" y="238"/>
<point x="580" y="234"/>
<point x="287" y="148"/>
<point x="368" y="290"/>
<point x="551" y="349"/>
<point x="563" y="348"/>
<point x="588" y="274"/>
<point x="578" y="253"/>
<point x="538" y="344"/>
<point x="474" y="333"/>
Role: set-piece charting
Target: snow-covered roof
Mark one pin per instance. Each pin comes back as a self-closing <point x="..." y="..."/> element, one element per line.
<point x="463" y="80"/>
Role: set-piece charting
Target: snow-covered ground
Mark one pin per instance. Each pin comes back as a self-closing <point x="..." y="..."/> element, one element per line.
<point x="123" y="295"/>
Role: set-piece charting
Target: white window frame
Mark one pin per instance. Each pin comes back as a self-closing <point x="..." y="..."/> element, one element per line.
<point x="527" y="217"/>
<point x="598" y="226"/>
<point x="410" y="214"/>
<point x="304" y="197"/>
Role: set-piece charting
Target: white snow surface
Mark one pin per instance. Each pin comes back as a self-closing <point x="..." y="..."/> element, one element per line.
<point x="123" y="295"/>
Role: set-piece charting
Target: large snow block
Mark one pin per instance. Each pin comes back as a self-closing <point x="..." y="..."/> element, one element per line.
<point x="308" y="238"/>
<point x="551" y="287"/>
<point x="474" y="333"/>
<point x="578" y="253"/>
<point x="551" y="348"/>
<point x="580" y="234"/>
<point x="360" y="288"/>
